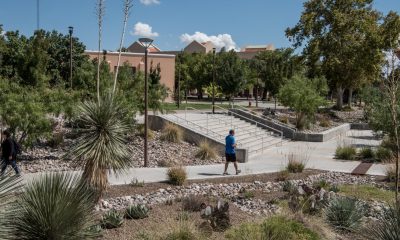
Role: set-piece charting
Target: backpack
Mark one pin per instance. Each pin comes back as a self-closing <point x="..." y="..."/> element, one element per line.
<point x="17" y="147"/>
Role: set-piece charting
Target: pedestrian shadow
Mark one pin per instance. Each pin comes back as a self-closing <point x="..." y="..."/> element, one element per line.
<point x="210" y="174"/>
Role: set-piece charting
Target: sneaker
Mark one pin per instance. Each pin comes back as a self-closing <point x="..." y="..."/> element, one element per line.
<point x="238" y="171"/>
<point x="225" y="173"/>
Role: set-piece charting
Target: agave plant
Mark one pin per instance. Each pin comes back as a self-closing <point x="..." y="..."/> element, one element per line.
<point x="9" y="186"/>
<point x="387" y="227"/>
<point x="55" y="206"/>
<point x="101" y="146"/>
<point x="344" y="213"/>
<point x="112" y="219"/>
<point x="136" y="212"/>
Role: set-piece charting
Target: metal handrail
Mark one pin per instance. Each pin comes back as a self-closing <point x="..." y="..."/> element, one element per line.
<point x="211" y="115"/>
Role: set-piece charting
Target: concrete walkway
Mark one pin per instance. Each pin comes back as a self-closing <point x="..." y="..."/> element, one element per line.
<point x="319" y="155"/>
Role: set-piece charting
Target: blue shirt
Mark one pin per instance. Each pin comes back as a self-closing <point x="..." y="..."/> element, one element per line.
<point x="229" y="141"/>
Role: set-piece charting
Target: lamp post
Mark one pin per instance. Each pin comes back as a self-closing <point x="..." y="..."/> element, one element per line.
<point x="213" y="81"/>
<point x="71" y="30"/>
<point x="146" y="43"/>
<point x="179" y="79"/>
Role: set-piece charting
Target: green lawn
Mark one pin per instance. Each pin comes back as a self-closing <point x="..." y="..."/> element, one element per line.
<point x="367" y="192"/>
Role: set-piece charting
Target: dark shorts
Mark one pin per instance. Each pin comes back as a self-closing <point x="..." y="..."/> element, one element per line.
<point x="230" y="157"/>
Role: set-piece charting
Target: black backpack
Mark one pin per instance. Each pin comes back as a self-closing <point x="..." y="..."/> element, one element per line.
<point x="17" y="147"/>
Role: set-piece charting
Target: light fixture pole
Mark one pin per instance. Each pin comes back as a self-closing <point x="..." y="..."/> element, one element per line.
<point x="213" y="83"/>
<point x="179" y="79"/>
<point x="71" y="30"/>
<point x="146" y="43"/>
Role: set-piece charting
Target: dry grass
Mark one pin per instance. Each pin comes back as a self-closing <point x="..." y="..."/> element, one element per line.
<point x="171" y="133"/>
<point x="206" y="151"/>
<point x="177" y="175"/>
<point x="140" y="131"/>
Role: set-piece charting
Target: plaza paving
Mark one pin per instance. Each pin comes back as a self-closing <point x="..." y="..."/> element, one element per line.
<point x="320" y="156"/>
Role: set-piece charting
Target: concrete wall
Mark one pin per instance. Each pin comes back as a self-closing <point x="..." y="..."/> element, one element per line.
<point x="167" y="65"/>
<point x="157" y="123"/>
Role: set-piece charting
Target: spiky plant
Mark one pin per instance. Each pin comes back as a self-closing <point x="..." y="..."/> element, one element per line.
<point x="55" y="206"/>
<point x="387" y="227"/>
<point x="112" y="219"/>
<point x="9" y="186"/>
<point x="171" y="133"/>
<point x="102" y="144"/>
<point x="206" y="151"/>
<point x="136" y="212"/>
<point x="344" y="213"/>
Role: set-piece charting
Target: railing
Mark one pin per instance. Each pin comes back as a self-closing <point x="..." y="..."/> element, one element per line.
<point x="208" y="115"/>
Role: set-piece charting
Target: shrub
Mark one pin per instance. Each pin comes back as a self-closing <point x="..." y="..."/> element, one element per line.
<point x="334" y="188"/>
<point x="391" y="173"/>
<point x="274" y="228"/>
<point x="282" y="175"/>
<point x="386" y="228"/>
<point x="54" y="206"/>
<point x="177" y="175"/>
<point x="383" y="154"/>
<point x="248" y="194"/>
<point x="288" y="186"/>
<point x="183" y="231"/>
<point x="367" y="153"/>
<point x="112" y="219"/>
<point x="191" y="203"/>
<point x="136" y="183"/>
<point x="294" y="165"/>
<point x="57" y="139"/>
<point x="206" y="151"/>
<point x="325" y="122"/>
<point x="136" y="212"/>
<point x="346" y="153"/>
<point x="344" y="213"/>
<point x="284" y="119"/>
<point x="140" y="131"/>
<point x="321" y="184"/>
<point x="172" y="133"/>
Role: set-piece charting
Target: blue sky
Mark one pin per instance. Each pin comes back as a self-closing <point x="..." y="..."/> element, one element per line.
<point x="233" y="23"/>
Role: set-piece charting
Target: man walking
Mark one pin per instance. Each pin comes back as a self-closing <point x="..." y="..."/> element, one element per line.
<point x="230" y="154"/>
<point x="9" y="154"/>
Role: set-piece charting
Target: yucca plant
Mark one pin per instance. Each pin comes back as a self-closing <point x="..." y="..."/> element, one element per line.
<point x="206" y="151"/>
<point x="55" y="206"/>
<point x="112" y="219"/>
<point x="344" y="213"/>
<point x="386" y="228"/>
<point x="102" y="144"/>
<point x="9" y="186"/>
<point x="136" y="212"/>
<point x="171" y="133"/>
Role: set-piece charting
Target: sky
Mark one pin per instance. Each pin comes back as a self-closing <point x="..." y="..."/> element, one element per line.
<point x="171" y="23"/>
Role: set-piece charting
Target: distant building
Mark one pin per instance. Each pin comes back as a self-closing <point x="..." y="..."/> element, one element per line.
<point x="196" y="47"/>
<point x="137" y="47"/>
<point x="249" y="52"/>
<point x="136" y="61"/>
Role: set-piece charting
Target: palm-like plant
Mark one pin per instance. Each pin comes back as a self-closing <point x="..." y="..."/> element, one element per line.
<point x="102" y="145"/>
<point x="55" y="206"/>
<point x="387" y="227"/>
<point x="9" y="186"/>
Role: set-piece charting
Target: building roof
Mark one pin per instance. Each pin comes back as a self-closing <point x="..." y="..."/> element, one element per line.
<point x="139" y="47"/>
<point x="257" y="47"/>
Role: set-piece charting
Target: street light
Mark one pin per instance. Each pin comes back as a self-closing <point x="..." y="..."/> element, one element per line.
<point x="71" y="30"/>
<point x="179" y="79"/>
<point x="213" y="87"/>
<point x="146" y="43"/>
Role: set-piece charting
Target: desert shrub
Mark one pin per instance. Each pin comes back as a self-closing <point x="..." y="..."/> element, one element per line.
<point x="334" y="188"/>
<point x="136" y="212"/>
<point x="294" y="165"/>
<point x="344" y="213"/>
<point x="324" y="122"/>
<point x="288" y="186"/>
<point x="206" y="151"/>
<point x="282" y="228"/>
<point x="112" y="219"/>
<point x="171" y="133"/>
<point x="177" y="175"/>
<point x="386" y="228"/>
<point x="136" y="183"/>
<point x="56" y="140"/>
<point x="183" y="216"/>
<point x="245" y="231"/>
<point x="282" y="175"/>
<point x="346" y="152"/>
<point x="390" y="173"/>
<point x="383" y="154"/>
<point x="140" y="131"/>
<point x="321" y="184"/>
<point x="248" y="194"/>
<point x="192" y="203"/>
<point x="284" y="119"/>
<point x="367" y="153"/>
<point x="184" y="230"/>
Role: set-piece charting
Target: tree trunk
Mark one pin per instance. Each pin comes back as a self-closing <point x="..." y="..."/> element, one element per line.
<point x="350" y="100"/>
<point x="339" y="98"/>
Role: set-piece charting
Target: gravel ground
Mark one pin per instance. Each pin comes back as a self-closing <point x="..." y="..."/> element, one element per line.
<point x="161" y="154"/>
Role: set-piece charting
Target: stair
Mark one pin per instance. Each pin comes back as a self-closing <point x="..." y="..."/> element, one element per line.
<point x="217" y="126"/>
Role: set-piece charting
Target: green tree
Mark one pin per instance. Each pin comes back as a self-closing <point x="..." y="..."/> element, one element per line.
<point x="342" y="39"/>
<point x="230" y="73"/>
<point x="303" y="95"/>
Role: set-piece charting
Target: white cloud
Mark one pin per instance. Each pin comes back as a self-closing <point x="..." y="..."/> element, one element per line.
<point x="144" y="30"/>
<point x="219" y="41"/>
<point x="150" y="2"/>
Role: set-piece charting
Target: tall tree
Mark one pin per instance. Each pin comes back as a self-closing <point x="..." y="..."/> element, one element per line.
<point x="344" y="36"/>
